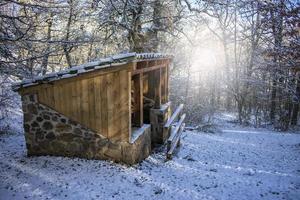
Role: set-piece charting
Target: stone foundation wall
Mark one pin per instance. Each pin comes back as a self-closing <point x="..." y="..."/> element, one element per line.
<point x="48" y="132"/>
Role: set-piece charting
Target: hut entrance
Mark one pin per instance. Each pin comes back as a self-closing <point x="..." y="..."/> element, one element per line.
<point x="149" y="90"/>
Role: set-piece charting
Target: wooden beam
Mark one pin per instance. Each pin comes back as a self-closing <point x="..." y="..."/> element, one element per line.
<point x="158" y="89"/>
<point x="164" y="85"/>
<point x="129" y="104"/>
<point x="167" y="80"/>
<point x="144" y="70"/>
<point x="142" y="64"/>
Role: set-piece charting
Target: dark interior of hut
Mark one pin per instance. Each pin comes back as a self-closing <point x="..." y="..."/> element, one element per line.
<point x="141" y="102"/>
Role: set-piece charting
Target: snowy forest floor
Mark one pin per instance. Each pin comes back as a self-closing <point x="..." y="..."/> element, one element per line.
<point x="235" y="163"/>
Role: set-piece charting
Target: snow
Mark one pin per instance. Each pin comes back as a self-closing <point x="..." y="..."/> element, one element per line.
<point x="235" y="163"/>
<point x="137" y="132"/>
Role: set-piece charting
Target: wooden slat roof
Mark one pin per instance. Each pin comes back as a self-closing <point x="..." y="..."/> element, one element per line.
<point x="103" y="63"/>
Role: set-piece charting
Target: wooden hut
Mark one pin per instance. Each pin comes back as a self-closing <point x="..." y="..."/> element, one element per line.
<point x="115" y="108"/>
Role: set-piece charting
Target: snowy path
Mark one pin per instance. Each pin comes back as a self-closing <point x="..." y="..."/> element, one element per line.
<point x="234" y="164"/>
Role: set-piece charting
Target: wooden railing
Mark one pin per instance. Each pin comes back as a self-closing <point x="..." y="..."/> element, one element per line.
<point x="174" y="127"/>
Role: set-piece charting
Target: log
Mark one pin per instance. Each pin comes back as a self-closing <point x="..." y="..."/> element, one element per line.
<point x="174" y="116"/>
<point x="175" y="142"/>
<point x="174" y="138"/>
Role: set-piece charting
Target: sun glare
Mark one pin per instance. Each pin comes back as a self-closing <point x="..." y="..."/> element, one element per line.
<point x="204" y="59"/>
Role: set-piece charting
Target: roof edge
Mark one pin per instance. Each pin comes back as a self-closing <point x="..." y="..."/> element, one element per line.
<point x="88" y="67"/>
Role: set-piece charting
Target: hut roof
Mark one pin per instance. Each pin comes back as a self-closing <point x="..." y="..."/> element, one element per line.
<point x="103" y="63"/>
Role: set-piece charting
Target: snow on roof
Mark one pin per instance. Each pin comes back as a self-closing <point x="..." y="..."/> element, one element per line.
<point x="115" y="60"/>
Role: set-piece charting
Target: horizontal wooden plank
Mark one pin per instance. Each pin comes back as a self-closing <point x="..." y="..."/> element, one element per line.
<point x="148" y="69"/>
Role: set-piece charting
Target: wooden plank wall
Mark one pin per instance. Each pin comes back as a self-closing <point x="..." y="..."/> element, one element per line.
<point x="101" y="103"/>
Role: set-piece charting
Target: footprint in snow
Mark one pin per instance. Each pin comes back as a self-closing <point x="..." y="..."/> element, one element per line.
<point x="213" y="170"/>
<point x="250" y="172"/>
<point x="189" y="158"/>
<point x="157" y="190"/>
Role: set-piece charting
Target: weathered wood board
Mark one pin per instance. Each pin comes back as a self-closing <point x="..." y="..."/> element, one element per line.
<point x="100" y="103"/>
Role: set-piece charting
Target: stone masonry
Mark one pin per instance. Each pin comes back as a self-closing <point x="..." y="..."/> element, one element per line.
<point x="48" y="132"/>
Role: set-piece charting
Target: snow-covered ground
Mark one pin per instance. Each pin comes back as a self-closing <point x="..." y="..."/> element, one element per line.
<point x="237" y="163"/>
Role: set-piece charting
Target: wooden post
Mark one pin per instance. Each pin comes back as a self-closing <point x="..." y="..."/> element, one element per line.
<point x="158" y="89"/>
<point x="164" y="83"/>
<point x="138" y="99"/>
<point x="167" y="80"/>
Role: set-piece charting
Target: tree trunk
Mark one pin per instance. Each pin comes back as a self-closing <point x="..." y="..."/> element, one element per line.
<point x="135" y="36"/>
<point x="153" y="40"/>
<point x="227" y="77"/>
<point x="273" y="100"/>
<point x="296" y="105"/>
<point x="277" y="26"/>
<point x="46" y="57"/>
<point x="66" y="46"/>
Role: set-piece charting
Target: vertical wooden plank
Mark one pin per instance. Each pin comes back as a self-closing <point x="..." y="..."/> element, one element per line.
<point x="55" y="96"/>
<point x="117" y="106"/>
<point x="145" y="83"/>
<point x="50" y="96"/>
<point x="78" y="91"/>
<point x="85" y="103"/>
<point x="128" y="96"/>
<point x="167" y="80"/>
<point x="97" y="97"/>
<point x="61" y="99"/>
<point x="110" y="105"/>
<point x="163" y="85"/>
<point x="47" y="101"/>
<point x="154" y="90"/>
<point x="125" y="105"/>
<point x="116" y="128"/>
<point x="66" y="99"/>
<point x="58" y="98"/>
<point x="73" y="99"/>
<point x="91" y="102"/>
<point x="158" y="89"/>
<point x="151" y="82"/>
<point x="41" y="95"/>
<point x="104" y="105"/>
<point x="138" y="99"/>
